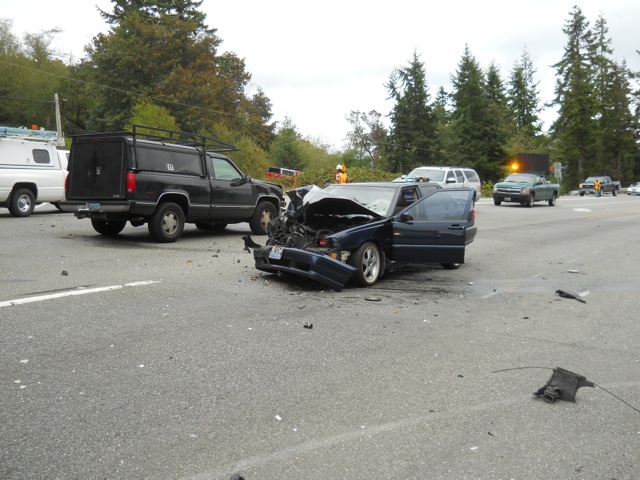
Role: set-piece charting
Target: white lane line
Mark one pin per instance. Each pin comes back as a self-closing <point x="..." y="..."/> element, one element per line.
<point x="70" y="293"/>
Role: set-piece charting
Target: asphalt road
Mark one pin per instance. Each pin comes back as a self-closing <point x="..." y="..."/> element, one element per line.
<point x="126" y="359"/>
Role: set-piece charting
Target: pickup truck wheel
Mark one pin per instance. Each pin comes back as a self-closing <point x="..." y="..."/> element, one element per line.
<point x="369" y="262"/>
<point x="210" y="226"/>
<point x="529" y="202"/>
<point x="167" y="223"/>
<point x="262" y="217"/>
<point x="497" y="201"/>
<point x="22" y="203"/>
<point x="552" y="200"/>
<point x="108" y="228"/>
<point x="582" y="194"/>
<point x="614" y="192"/>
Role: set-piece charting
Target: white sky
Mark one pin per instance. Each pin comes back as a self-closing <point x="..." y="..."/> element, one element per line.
<point x="317" y="61"/>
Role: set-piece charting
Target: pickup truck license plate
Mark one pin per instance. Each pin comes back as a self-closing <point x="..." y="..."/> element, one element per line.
<point x="94" y="206"/>
<point x="507" y="199"/>
<point x="276" y="253"/>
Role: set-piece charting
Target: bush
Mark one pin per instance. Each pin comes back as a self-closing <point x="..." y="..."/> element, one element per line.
<point x="325" y="175"/>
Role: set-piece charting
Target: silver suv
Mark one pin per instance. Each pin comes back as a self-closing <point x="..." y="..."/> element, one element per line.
<point x="446" y="177"/>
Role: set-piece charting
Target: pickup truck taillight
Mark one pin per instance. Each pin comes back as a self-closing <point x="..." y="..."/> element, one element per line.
<point x="131" y="182"/>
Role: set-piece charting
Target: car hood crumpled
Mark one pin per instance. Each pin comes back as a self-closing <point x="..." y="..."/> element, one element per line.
<point x="311" y="200"/>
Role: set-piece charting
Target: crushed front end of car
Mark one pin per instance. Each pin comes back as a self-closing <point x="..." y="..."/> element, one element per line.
<point x="300" y="240"/>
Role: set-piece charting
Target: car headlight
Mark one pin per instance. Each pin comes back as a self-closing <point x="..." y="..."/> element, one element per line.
<point x="525" y="190"/>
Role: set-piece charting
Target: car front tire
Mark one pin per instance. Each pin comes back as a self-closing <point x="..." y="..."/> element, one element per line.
<point x="552" y="200"/>
<point x="369" y="262"/>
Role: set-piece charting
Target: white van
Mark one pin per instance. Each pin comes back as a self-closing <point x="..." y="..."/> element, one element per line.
<point x="446" y="177"/>
<point x="32" y="169"/>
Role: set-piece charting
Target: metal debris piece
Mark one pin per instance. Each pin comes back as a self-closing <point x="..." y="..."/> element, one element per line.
<point x="568" y="294"/>
<point x="308" y="325"/>
<point x="373" y="299"/>
<point x="573" y="271"/>
<point x="562" y="385"/>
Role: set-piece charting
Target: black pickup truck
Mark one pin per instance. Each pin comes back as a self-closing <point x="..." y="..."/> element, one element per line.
<point x="165" y="179"/>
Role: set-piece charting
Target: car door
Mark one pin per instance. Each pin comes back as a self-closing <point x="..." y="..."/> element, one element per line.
<point x="435" y="228"/>
<point x="232" y="193"/>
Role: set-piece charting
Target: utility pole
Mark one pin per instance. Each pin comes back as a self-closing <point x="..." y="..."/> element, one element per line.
<point x="56" y="100"/>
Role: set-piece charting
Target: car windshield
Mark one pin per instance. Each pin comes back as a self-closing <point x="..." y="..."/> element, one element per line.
<point x="432" y="174"/>
<point x="519" y="177"/>
<point x="376" y="198"/>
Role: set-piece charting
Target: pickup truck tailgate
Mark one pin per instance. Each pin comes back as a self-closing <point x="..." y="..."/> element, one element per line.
<point x="97" y="169"/>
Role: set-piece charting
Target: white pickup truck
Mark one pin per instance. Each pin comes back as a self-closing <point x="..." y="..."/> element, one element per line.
<point x="32" y="169"/>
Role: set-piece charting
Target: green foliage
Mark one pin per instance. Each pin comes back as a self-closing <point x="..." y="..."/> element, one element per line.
<point x="147" y="113"/>
<point x="325" y="175"/>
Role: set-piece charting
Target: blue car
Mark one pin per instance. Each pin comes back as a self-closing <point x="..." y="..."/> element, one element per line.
<point x="350" y="232"/>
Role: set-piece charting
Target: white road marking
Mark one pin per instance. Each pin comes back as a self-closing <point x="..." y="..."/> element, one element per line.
<point x="70" y="293"/>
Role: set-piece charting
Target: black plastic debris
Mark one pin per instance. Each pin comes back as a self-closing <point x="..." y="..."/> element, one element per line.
<point x="65" y="273"/>
<point x="568" y="294"/>
<point x="308" y="325"/>
<point x="249" y="243"/>
<point x="563" y="385"/>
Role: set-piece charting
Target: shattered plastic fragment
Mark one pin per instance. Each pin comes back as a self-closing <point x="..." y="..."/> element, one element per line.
<point x="568" y="294"/>
<point x="562" y="385"/>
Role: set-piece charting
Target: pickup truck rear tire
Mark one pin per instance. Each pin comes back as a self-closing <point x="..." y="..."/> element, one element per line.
<point x="582" y="194"/>
<point x="22" y="203"/>
<point x="614" y="192"/>
<point x="262" y="217"/>
<point x="210" y="226"/>
<point x="167" y="223"/>
<point x="552" y="200"/>
<point x="108" y="228"/>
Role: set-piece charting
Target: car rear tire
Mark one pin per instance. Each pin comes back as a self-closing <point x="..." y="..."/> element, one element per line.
<point x="265" y="213"/>
<point x="552" y="200"/>
<point x="451" y="266"/>
<point x="108" y="228"/>
<point x="167" y="223"/>
<point x="369" y="262"/>
<point x="22" y="203"/>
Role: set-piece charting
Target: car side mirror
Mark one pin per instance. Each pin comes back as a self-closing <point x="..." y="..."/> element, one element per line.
<point x="405" y="217"/>
<point x="241" y="181"/>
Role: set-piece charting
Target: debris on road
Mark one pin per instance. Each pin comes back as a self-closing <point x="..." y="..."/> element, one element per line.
<point x="308" y="325"/>
<point x="562" y="385"/>
<point x="568" y="294"/>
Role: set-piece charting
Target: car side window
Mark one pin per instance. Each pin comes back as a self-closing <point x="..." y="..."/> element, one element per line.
<point x="443" y="205"/>
<point x="224" y="170"/>
<point x="459" y="176"/>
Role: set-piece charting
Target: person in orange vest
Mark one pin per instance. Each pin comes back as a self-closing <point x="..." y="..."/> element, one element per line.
<point x="341" y="175"/>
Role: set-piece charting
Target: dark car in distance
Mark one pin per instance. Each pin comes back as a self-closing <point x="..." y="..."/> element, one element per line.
<point x="350" y="232"/>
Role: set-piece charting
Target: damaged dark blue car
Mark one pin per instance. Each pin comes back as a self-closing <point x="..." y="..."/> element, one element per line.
<point x="351" y="232"/>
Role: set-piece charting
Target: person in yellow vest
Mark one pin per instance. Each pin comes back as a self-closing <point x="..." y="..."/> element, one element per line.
<point x="597" y="187"/>
<point x="341" y="175"/>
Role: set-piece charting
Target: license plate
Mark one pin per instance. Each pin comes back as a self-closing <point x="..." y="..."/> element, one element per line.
<point x="507" y="199"/>
<point x="94" y="206"/>
<point x="276" y="253"/>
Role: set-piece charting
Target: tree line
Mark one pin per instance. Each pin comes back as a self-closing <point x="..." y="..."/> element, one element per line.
<point x="159" y="64"/>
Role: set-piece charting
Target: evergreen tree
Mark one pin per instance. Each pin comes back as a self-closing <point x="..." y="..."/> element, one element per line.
<point x="498" y="123"/>
<point x="410" y="141"/>
<point x="575" y="130"/>
<point x="523" y="95"/>
<point x="469" y="116"/>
